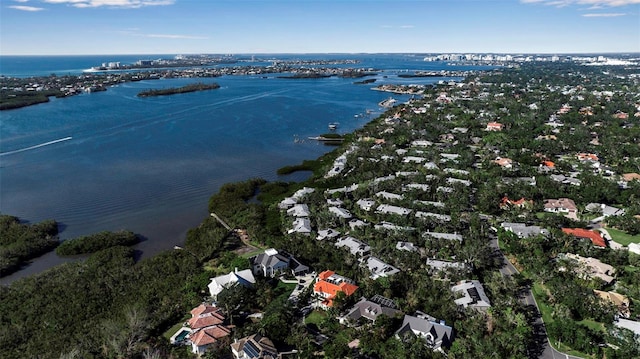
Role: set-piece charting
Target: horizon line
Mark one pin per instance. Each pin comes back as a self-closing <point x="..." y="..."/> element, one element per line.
<point x="340" y="53"/>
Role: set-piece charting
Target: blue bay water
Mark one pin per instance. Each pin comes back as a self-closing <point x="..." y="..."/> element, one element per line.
<point x="111" y="161"/>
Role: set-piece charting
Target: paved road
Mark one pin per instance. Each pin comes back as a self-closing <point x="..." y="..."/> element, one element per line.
<point x="547" y="352"/>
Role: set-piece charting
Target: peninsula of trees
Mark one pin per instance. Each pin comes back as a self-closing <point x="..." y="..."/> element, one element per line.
<point x="177" y="90"/>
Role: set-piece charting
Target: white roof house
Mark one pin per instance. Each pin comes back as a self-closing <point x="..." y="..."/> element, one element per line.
<point x="385" y="208"/>
<point x="452" y="180"/>
<point x="393" y="227"/>
<point x="420" y="186"/>
<point x="436" y="216"/>
<point x="287" y="203"/>
<point x="366" y="204"/>
<point x="388" y="195"/>
<point x="406" y="246"/>
<point x="355" y="223"/>
<point x="413" y="159"/>
<point x="299" y="194"/>
<point x="220" y="283"/>
<point x="431" y="166"/>
<point x="340" y="212"/>
<point x="436" y="334"/>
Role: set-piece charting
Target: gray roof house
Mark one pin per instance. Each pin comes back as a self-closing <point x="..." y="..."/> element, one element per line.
<point x="366" y="204"/>
<point x="287" y="203"/>
<point x="392" y="227"/>
<point x="524" y="231"/>
<point x="440" y="265"/>
<point x="472" y="293"/>
<point x="449" y="236"/>
<point x="340" y="212"/>
<point x="370" y="310"/>
<point x="436" y="334"/>
<point x="269" y="263"/>
<point x="327" y="234"/>
<point x="301" y="225"/>
<point x="406" y="246"/>
<point x="380" y="269"/>
<point x="299" y="210"/>
<point x="355" y="246"/>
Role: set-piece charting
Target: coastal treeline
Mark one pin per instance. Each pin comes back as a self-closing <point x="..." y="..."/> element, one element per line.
<point x="95" y="242"/>
<point x="20" y="242"/>
<point x="177" y="90"/>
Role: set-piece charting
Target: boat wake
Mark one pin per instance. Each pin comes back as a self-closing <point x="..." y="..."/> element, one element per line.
<point x="36" y="146"/>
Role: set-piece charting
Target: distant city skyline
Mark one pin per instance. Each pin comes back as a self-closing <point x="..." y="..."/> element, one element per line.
<point x="87" y="27"/>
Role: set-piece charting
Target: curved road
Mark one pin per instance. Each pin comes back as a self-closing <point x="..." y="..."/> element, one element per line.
<point x="548" y="352"/>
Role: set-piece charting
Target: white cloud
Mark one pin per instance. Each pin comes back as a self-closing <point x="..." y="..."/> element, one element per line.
<point x="25" y="8"/>
<point x="593" y="3"/>
<point x="173" y="36"/>
<point x="604" y="14"/>
<point x="22" y="1"/>
<point x="112" y="3"/>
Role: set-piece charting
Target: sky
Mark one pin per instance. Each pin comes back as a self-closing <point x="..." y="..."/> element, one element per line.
<point x="86" y="27"/>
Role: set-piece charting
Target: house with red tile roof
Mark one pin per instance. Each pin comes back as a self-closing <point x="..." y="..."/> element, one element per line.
<point x="204" y="338"/>
<point x="329" y="284"/>
<point x="494" y="126"/>
<point x="582" y="156"/>
<point x="205" y="315"/>
<point x="506" y="203"/>
<point x="593" y="236"/>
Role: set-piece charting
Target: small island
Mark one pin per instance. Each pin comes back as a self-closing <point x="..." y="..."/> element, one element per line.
<point x="364" y="82"/>
<point x="176" y="90"/>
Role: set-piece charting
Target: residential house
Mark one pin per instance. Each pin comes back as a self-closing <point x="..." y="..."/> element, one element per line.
<point x="620" y="301"/>
<point x="254" y="347"/>
<point x="437" y="216"/>
<point x="385" y="208"/>
<point x="205" y="315"/>
<point x="629" y="325"/>
<point x="329" y="284"/>
<point x="370" y="310"/>
<point x="473" y="295"/>
<point x="389" y="195"/>
<point x="411" y="186"/>
<point x="299" y="210"/>
<point x="507" y="203"/>
<point x="366" y="204"/>
<point x="357" y="223"/>
<point x="301" y="225"/>
<point x="452" y="180"/>
<point x="447" y="236"/>
<point x="355" y="246"/>
<point x="494" y="126"/>
<point x="504" y="162"/>
<point x="220" y="283"/>
<point x="413" y="159"/>
<point x="440" y="265"/>
<point x="392" y="227"/>
<point x="566" y="180"/>
<point x="580" y="233"/>
<point x="406" y="246"/>
<point x="524" y="231"/>
<point x="327" y="234"/>
<point x="204" y="338"/>
<point x="379" y="269"/>
<point x="431" y="166"/>
<point x="340" y="212"/>
<point x="562" y="205"/>
<point x="437" y="335"/>
<point x="590" y="267"/>
<point x="582" y="156"/>
<point x="634" y="248"/>
<point x="270" y="263"/>
<point x="287" y="203"/>
<point x="301" y="193"/>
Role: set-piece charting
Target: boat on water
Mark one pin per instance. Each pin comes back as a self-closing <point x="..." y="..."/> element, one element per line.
<point x="333" y="126"/>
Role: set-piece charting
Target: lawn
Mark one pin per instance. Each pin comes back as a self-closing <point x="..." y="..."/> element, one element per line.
<point x="315" y="317"/>
<point x="623" y="237"/>
<point x="174" y="328"/>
